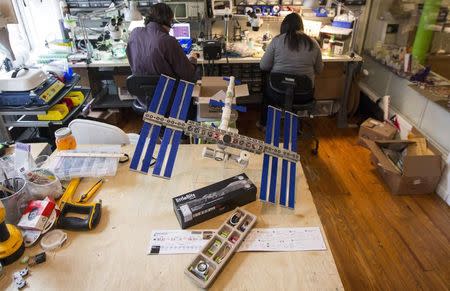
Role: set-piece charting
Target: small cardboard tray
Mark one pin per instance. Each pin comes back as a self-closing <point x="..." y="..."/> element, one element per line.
<point x="213" y="257"/>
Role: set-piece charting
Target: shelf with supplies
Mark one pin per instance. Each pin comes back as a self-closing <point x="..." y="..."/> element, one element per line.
<point x="41" y="109"/>
<point x="31" y="120"/>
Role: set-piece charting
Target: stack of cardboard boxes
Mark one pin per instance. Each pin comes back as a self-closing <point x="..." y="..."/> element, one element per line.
<point x="407" y="166"/>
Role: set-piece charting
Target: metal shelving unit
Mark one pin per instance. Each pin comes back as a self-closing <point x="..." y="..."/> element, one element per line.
<point x="26" y="117"/>
<point x="32" y="120"/>
<point x="35" y="110"/>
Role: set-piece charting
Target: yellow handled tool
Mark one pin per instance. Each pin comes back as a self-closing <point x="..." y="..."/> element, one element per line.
<point x="92" y="210"/>
<point x="86" y="196"/>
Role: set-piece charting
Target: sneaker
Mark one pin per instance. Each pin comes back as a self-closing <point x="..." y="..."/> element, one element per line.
<point x="260" y="126"/>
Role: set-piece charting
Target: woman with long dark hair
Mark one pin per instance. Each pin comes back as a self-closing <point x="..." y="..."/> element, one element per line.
<point x="291" y="52"/>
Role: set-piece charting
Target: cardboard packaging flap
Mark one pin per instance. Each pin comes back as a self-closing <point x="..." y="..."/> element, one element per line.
<point x="413" y="165"/>
<point x="378" y="127"/>
<point x="209" y="86"/>
<point x="382" y="160"/>
<point x="425" y="165"/>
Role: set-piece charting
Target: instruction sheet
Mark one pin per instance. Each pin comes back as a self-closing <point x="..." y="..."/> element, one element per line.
<point x="165" y="242"/>
<point x="283" y="240"/>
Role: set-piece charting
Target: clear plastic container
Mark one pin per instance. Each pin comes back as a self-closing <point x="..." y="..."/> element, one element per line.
<point x="67" y="168"/>
<point x="16" y="203"/>
<point x="48" y="185"/>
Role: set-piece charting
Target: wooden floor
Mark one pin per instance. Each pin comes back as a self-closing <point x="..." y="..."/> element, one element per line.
<point x="379" y="241"/>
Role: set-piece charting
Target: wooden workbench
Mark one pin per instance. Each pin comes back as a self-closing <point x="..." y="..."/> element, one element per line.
<point x="113" y="256"/>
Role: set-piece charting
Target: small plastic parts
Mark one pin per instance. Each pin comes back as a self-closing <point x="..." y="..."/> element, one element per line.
<point x="20" y="274"/>
<point x="37" y="259"/>
<point x="234" y="220"/>
<point x="244" y="226"/>
<point x="53" y="240"/>
<point x="213" y="257"/>
<point x="18" y="277"/>
<point x="20" y="283"/>
<point x="234" y="238"/>
<point x="222" y="255"/>
<point x="201" y="270"/>
<point x="23" y="272"/>
<point x="214" y="247"/>
<point x="24" y="260"/>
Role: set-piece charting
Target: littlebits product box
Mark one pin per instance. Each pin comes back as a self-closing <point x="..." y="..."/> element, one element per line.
<point x="205" y="203"/>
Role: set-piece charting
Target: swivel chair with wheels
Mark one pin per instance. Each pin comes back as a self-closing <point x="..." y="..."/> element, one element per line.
<point x="298" y="94"/>
<point x="142" y="87"/>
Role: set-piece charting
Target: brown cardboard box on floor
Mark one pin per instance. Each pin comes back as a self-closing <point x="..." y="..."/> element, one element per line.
<point x="420" y="173"/>
<point x="214" y="88"/>
<point x="372" y="129"/>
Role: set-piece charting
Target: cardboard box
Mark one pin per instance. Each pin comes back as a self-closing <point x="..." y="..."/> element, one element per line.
<point x="214" y="88"/>
<point x="205" y="203"/>
<point x="420" y="172"/>
<point x="372" y="129"/>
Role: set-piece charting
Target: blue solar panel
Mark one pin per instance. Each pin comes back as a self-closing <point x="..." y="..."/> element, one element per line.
<point x="164" y="164"/>
<point x="284" y="166"/>
<point x="160" y="108"/>
<point x="266" y="159"/>
<point x="268" y="190"/>
<point x="274" y="170"/>
<point x="291" y="203"/>
<point x="163" y="88"/>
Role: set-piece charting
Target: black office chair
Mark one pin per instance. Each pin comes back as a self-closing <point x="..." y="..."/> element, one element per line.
<point x="298" y="94"/>
<point x="143" y="88"/>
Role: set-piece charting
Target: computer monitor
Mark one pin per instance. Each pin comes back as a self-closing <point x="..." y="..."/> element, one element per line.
<point x="181" y="31"/>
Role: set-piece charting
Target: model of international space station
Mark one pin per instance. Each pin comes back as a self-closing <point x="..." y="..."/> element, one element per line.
<point x="224" y="137"/>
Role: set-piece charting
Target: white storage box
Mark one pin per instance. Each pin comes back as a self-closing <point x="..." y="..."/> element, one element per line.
<point x="25" y="80"/>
